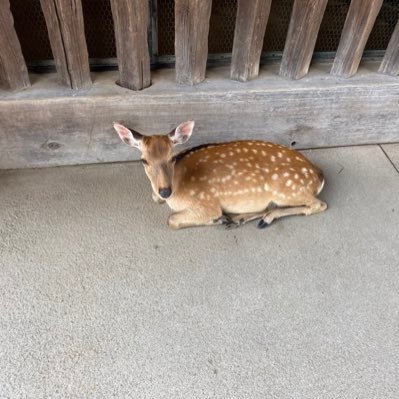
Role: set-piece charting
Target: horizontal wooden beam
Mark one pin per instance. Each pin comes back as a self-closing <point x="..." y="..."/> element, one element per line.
<point x="390" y="63"/>
<point x="130" y="26"/>
<point x="304" y="26"/>
<point x="64" y="19"/>
<point x="46" y="125"/>
<point x="13" y="71"/>
<point x="191" y="39"/>
<point x="251" y="21"/>
<point x="358" y="24"/>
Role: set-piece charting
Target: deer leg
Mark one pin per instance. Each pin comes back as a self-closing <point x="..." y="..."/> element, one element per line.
<point x="242" y="218"/>
<point x="196" y="217"/>
<point x="315" y="206"/>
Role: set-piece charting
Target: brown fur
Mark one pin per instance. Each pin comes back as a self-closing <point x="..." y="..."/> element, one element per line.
<point x="241" y="179"/>
<point x="238" y="178"/>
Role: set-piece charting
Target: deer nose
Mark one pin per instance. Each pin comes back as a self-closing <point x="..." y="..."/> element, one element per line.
<point x="165" y="192"/>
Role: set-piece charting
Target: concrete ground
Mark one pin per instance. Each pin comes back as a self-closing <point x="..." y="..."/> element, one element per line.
<point x="98" y="299"/>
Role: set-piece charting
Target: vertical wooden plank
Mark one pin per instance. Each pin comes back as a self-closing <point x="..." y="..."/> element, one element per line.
<point x="358" y="24"/>
<point x="13" y="71"/>
<point x="390" y="63"/>
<point x="64" y="20"/>
<point x="301" y="39"/>
<point x="191" y="39"/>
<point x="251" y="21"/>
<point x="131" y="37"/>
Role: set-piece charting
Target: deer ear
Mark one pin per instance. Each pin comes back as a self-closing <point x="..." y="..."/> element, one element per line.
<point x="182" y="133"/>
<point x="129" y="137"/>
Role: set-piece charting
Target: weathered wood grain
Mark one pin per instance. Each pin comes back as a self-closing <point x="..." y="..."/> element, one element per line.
<point x="358" y="24"/>
<point x="65" y="25"/>
<point x="45" y="126"/>
<point x="304" y="26"/>
<point x="131" y="25"/>
<point x="390" y="62"/>
<point x="13" y="71"/>
<point x="251" y="21"/>
<point x="191" y="39"/>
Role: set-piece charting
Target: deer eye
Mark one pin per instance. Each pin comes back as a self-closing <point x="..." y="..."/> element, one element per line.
<point x="144" y="161"/>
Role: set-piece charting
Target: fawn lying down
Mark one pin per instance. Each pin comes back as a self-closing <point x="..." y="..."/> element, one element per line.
<point x="230" y="183"/>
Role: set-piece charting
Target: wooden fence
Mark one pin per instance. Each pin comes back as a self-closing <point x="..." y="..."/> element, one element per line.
<point x="70" y="123"/>
<point x="64" y="19"/>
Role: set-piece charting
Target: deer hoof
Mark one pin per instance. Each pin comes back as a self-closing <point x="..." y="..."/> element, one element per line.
<point x="262" y="224"/>
<point x="228" y="222"/>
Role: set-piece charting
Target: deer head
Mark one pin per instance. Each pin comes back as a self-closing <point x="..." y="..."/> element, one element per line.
<point x="157" y="154"/>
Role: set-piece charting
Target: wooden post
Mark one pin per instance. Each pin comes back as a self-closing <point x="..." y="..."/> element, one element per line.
<point x="13" y="71"/>
<point x="131" y="24"/>
<point x="390" y="63"/>
<point x="64" y="19"/>
<point x="191" y="39"/>
<point x="251" y="21"/>
<point x="358" y="24"/>
<point x="301" y="38"/>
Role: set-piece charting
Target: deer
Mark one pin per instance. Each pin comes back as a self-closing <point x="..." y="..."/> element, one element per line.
<point x="228" y="183"/>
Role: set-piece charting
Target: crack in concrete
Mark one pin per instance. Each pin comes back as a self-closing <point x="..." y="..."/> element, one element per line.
<point x="389" y="159"/>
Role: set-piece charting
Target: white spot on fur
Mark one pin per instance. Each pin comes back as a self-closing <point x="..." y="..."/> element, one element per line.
<point x="275" y="176"/>
<point x="192" y="192"/>
<point x="245" y="149"/>
<point x="254" y="151"/>
<point x="296" y="176"/>
<point x="286" y="174"/>
<point x="263" y="153"/>
<point x="279" y="154"/>
<point x="288" y="183"/>
<point x="266" y="187"/>
<point x="273" y="158"/>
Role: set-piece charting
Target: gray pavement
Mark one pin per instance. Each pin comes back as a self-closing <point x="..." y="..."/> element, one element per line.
<point x="98" y="299"/>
